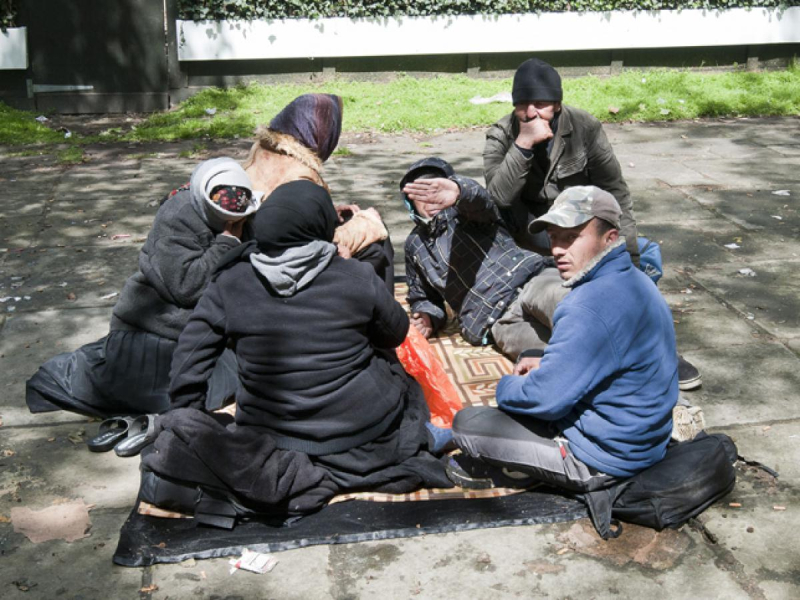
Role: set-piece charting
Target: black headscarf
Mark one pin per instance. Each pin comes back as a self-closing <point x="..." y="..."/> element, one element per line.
<point x="295" y="214"/>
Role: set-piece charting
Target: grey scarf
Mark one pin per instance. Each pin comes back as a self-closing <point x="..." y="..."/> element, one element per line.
<point x="294" y="268"/>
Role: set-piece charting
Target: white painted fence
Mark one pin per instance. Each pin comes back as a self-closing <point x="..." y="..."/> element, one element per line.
<point x="308" y="38"/>
<point x="14" y="48"/>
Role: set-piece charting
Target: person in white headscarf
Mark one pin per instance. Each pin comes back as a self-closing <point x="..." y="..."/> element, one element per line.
<point x="127" y="372"/>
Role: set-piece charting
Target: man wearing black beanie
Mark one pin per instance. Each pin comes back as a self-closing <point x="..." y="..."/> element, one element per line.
<point x="543" y="147"/>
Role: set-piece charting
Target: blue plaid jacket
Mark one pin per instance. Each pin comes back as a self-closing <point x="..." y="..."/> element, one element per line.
<point x="467" y="258"/>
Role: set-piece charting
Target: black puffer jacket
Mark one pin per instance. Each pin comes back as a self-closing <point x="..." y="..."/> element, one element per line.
<point x="308" y="363"/>
<point x="175" y="265"/>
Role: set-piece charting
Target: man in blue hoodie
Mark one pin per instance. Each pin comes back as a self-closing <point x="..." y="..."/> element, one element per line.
<point x="597" y="406"/>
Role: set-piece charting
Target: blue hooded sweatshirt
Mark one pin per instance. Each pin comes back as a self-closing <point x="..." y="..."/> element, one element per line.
<point x="609" y="378"/>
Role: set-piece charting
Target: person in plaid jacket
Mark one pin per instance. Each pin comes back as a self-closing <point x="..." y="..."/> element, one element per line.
<point x="460" y="253"/>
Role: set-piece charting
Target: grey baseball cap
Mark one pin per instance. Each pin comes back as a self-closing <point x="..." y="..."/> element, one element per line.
<point x="577" y="205"/>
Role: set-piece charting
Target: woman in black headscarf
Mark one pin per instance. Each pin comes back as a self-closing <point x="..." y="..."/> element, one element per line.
<point x="322" y="406"/>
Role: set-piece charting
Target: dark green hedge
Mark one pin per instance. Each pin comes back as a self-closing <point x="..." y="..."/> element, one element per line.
<point x="275" y="9"/>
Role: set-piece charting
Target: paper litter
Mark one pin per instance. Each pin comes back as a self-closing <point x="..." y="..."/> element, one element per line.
<point x="256" y="562"/>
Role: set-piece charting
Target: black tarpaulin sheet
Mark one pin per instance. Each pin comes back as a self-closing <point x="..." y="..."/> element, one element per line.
<point x="146" y="540"/>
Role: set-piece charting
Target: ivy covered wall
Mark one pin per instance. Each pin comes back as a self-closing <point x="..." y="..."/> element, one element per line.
<point x="198" y="10"/>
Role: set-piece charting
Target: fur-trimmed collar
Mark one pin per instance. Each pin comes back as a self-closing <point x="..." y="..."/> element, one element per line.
<point x="576" y="279"/>
<point x="277" y="158"/>
<point x="283" y="144"/>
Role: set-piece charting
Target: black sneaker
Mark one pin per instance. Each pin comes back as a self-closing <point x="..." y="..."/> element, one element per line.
<point x="688" y="375"/>
<point x="474" y="474"/>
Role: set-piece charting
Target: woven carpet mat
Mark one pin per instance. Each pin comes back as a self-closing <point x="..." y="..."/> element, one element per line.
<point x="147" y="540"/>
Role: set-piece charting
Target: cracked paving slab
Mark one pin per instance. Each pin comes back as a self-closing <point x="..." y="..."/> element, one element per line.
<point x="755" y="522"/>
<point x="81" y="569"/>
<point x="28" y="339"/>
<point x="71" y="470"/>
<point x="770" y="298"/>
<point x="751" y="383"/>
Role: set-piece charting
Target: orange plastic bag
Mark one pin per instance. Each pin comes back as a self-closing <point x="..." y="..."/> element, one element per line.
<point x="420" y="361"/>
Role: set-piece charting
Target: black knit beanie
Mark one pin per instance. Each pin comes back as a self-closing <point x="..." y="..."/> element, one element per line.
<point x="536" y="80"/>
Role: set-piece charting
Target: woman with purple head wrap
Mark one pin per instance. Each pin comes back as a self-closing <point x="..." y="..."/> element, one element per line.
<point x="315" y="120"/>
<point x="298" y="140"/>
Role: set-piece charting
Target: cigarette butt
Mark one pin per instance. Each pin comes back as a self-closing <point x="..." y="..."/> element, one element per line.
<point x="562" y="551"/>
<point x="778" y="508"/>
<point x="735" y="505"/>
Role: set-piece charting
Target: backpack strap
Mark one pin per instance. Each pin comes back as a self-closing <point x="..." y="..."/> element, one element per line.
<point x="758" y="465"/>
<point x="600" y="504"/>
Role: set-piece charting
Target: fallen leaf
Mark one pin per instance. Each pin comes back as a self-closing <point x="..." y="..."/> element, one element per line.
<point x="613" y="110"/>
<point x="24" y="585"/>
<point x="8" y="453"/>
<point x="71" y="297"/>
<point x="76" y="437"/>
<point x="4" y="519"/>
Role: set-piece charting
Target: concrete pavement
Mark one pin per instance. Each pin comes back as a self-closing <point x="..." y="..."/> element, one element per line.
<point x="69" y="237"/>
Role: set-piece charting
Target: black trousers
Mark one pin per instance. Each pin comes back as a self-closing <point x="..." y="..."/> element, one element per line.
<point x="124" y="373"/>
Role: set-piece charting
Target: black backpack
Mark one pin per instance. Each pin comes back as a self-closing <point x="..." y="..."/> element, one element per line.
<point x="691" y="477"/>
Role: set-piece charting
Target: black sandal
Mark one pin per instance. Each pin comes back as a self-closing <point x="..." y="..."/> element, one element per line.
<point x="110" y="433"/>
<point x="140" y="434"/>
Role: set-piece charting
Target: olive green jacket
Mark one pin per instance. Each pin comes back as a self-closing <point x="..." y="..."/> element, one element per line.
<point x="579" y="155"/>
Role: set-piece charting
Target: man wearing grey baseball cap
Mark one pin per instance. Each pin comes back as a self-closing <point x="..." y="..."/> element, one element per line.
<point x="597" y="406"/>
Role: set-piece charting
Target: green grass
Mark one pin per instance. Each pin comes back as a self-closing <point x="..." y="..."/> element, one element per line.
<point x="442" y="103"/>
<point x="19" y="127"/>
<point x="197" y="149"/>
<point x="71" y="155"/>
<point x="670" y="95"/>
<point x="343" y="151"/>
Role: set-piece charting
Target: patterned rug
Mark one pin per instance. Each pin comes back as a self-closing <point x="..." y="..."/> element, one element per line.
<point x="475" y="370"/>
